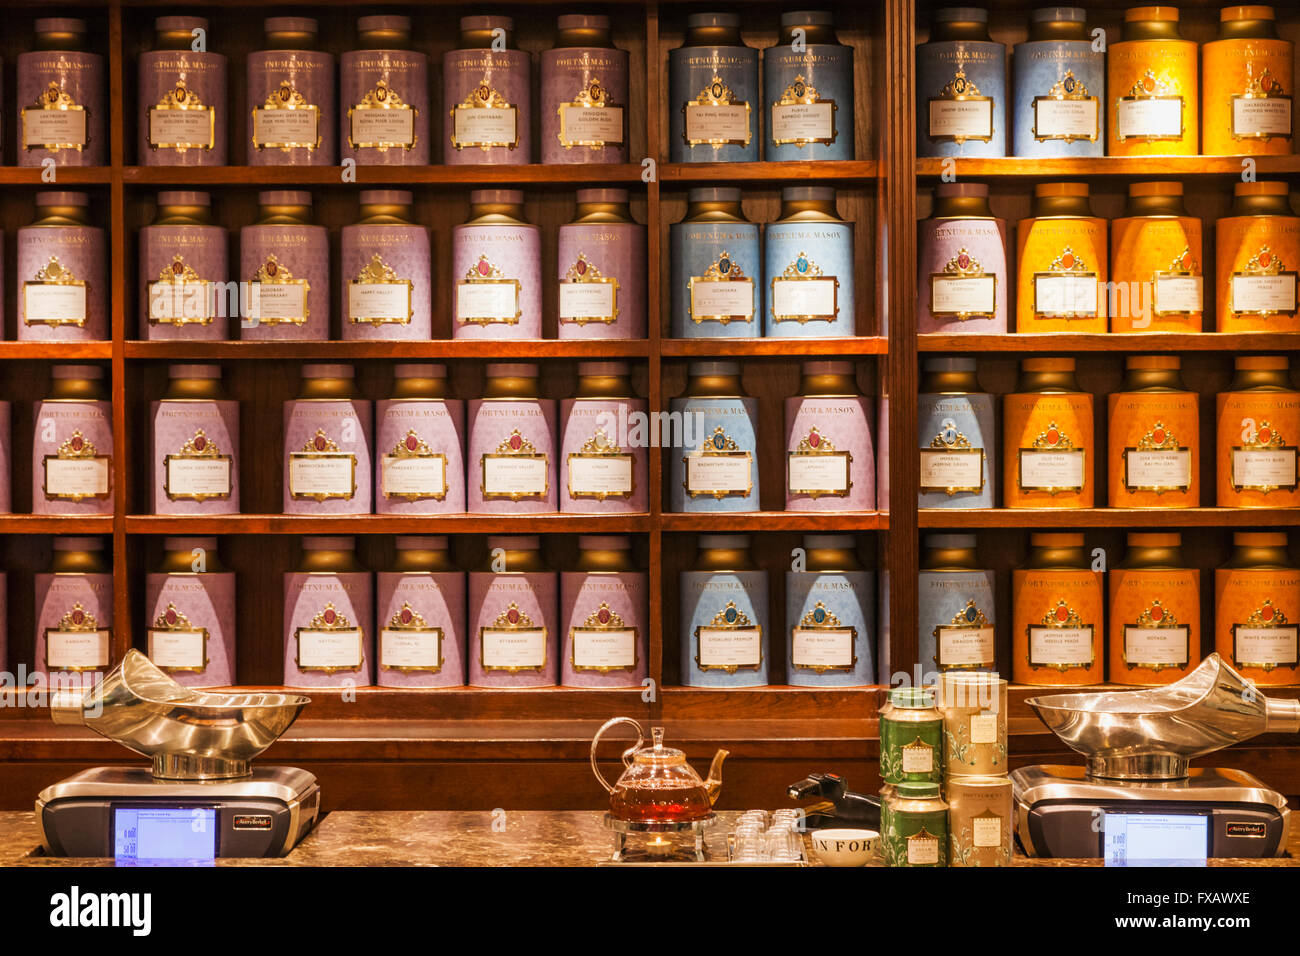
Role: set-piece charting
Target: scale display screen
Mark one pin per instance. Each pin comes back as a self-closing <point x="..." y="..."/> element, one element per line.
<point x="1156" y="839"/>
<point x="164" y="836"/>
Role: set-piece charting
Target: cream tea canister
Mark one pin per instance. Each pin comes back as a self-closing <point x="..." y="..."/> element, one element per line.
<point x="387" y="281"/>
<point x="604" y="608"/>
<point x="285" y="260"/>
<point x="182" y="260"/>
<point x="195" y="445"/>
<point x="511" y="465"/>
<point x="190" y="602"/>
<point x="384" y="96"/>
<point x="513" y="614"/>
<point x="327" y="445"/>
<point x="420" y="616"/>
<point x="487" y="95"/>
<point x="329" y="609"/>
<point x="419" y="445"/>
<point x="603" y="464"/>
<point x="496" y="264"/>
<point x="62" y="97"/>
<point x="74" y="610"/>
<point x="290" y="89"/>
<point x="182" y="119"/>
<point x="72" y="449"/>
<point x="584" y="96"/>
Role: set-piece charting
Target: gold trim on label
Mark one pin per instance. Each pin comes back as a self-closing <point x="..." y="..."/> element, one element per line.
<point x="730" y="618"/>
<point x="1157" y="618"/>
<point x="593" y="624"/>
<point x="382" y="97"/>
<point x="1158" y="439"/>
<point x="1263" y="438"/>
<point x="77" y="448"/>
<point x="402" y="451"/>
<point x="723" y="269"/>
<point x="200" y="447"/>
<point x="963" y="267"/>
<point x="719" y="445"/>
<point x="800" y="93"/>
<point x="591" y="96"/>
<point x="717" y="93"/>
<point x="78" y="620"/>
<point x="1044" y="443"/>
<point x="821" y="618"/>
<point x="959" y="89"/>
<point x="54" y="97"/>
<point x="272" y="272"/>
<point x="521" y="622"/>
<point x="179" y="623"/>
<point x="950" y="441"/>
<point x="1052" y="621"/>
<point x="509" y="449"/>
<point x="1266" y="617"/>
<point x="323" y="622"/>
<point x="803" y="269"/>
<point x="1261" y="264"/>
<point x="1068" y="87"/>
<point x="962" y="621"/>
<point x="181" y="97"/>
<point x="1263" y="87"/>
<point x="582" y="271"/>
<point x="485" y="97"/>
<point x="484" y="272"/>
<point x="378" y="272"/>
<point x="55" y="272"/>
<point x="816" y="445"/>
<point x="286" y="97"/>
<point x="1151" y="88"/>
<point x="598" y="446"/>
<point x="414" y="623"/>
<point x="319" y="447"/>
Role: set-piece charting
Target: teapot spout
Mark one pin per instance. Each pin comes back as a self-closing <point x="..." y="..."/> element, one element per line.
<point x="714" y="784"/>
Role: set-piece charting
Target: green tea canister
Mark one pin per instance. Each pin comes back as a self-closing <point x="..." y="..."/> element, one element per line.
<point x="911" y="736"/>
<point x="917" y="831"/>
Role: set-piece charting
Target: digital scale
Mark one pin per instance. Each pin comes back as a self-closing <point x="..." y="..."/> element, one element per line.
<point x="202" y="799"/>
<point x="1137" y="802"/>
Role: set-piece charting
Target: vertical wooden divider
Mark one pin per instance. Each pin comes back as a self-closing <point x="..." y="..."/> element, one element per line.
<point x="654" y="400"/>
<point x="117" y="285"/>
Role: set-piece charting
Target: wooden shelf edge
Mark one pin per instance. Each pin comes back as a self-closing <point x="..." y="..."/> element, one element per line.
<point x="1037" y="518"/>
<point x="576" y="174"/>
<point x="56" y="524"/>
<point x="386" y="524"/>
<point x="57" y="351"/>
<point x="857" y="345"/>
<point x="820" y="170"/>
<point x="432" y="349"/>
<point x="1012" y="167"/>
<point x="1111" y="342"/>
<point x="778" y="521"/>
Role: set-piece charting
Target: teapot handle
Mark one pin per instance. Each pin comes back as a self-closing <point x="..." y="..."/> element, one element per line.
<point x="627" y="754"/>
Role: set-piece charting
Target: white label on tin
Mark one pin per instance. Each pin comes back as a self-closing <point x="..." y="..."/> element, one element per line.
<point x="279" y="301"/>
<point x="177" y="649"/>
<point x="379" y="302"/>
<point x="1261" y="116"/>
<point x="514" y="647"/>
<point x="1170" y="468"/>
<point x="984" y="728"/>
<point x="1067" y="295"/>
<point x="341" y="649"/>
<point x="186" y="127"/>
<point x="514" y="475"/>
<point x="725" y="123"/>
<point x="1051" y="469"/>
<point x="599" y="648"/>
<point x="586" y="300"/>
<point x="1266" y="645"/>
<point x="975" y="295"/>
<point x="173" y="303"/>
<point x="732" y="298"/>
<point x="814" y="298"/>
<point x="1179" y="294"/>
<point x="1264" y="468"/>
<point x="731" y="647"/>
<point x="486" y="126"/>
<point x="425" y="477"/>
<point x="986" y="831"/>
<point x="969" y="119"/>
<point x="821" y="647"/>
<point x="1160" y="118"/>
<point x="322" y="473"/>
<point x="1156" y="645"/>
<point x="1264" y="293"/>
<point x="281" y="127"/>
<point x="490" y="301"/>
<point x="53" y="302"/>
<point x="714" y="473"/>
<point x="918" y="759"/>
<point x="922" y="852"/>
<point x="1060" y="645"/>
<point x="1061" y="119"/>
<point x="420" y="649"/>
<point x="946" y="469"/>
<point x="76" y="477"/>
<point x="380" y="127"/>
<point x="965" y="645"/>
<point x="803" y="122"/>
<point x="827" y="474"/>
<point x="601" y="126"/>
<point x="209" y="477"/>
<point x="600" y="475"/>
<point x="53" y="128"/>
<point x="81" y="649"/>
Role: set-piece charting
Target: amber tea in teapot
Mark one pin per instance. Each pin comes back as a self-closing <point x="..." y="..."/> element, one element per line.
<point x="658" y="785"/>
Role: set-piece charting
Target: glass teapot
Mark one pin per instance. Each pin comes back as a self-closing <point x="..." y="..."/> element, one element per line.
<point x="658" y="785"/>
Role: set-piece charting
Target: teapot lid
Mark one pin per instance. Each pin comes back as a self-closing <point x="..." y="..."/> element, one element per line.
<point x="657" y="754"/>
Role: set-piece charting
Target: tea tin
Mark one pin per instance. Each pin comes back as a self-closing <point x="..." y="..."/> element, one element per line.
<point x="717" y="470"/>
<point x="1257" y="609"/>
<point x="830" y="616"/>
<point x="195" y="445"/>
<point x="911" y="737"/>
<point x="384" y="96"/>
<point x="1151" y="83"/>
<point x="723" y="635"/>
<point x="974" y="708"/>
<point x="386" y="282"/>
<point x="808" y="91"/>
<point x="72" y="448"/>
<point x="327" y="442"/>
<point x="1061" y="263"/>
<point x="955" y="434"/>
<point x="74" y="611"/>
<point x="957" y="617"/>
<point x="62" y="273"/>
<point x="1258" y="416"/>
<point x="808" y="261"/>
<point x="584" y="100"/>
<point x="1258" y="260"/>
<point x="497" y="267"/>
<point x="1058" y="612"/>
<point x="715" y="268"/>
<point x="1059" y="81"/>
<point x="190" y="623"/>
<point x="285" y="260"/>
<point x="182" y="119"/>
<point x="183" y="264"/>
<point x="600" y="265"/>
<point x="830" y="455"/>
<point x="917" y="834"/>
<point x="487" y="96"/>
<point x="603" y="466"/>
<point x="290" y="89"/>
<point x="511" y="464"/>
<point x="62" y="108"/>
<point x="420" y="620"/>
<point x="713" y="93"/>
<point x="419" y="445"/>
<point x="1156" y="255"/>
<point x="1047" y="443"/>
<point x="980" y="820"/>
<point x="961" y="97"/>
<point x="1249" y="86"/>
<point x="962" y="264"/>
<point x="328" y="616"/>
<point x="603" y="604"/>
<point x="1153" y="434"/>
<point x="1155" y="613"/>
<point x="513" y="617"/>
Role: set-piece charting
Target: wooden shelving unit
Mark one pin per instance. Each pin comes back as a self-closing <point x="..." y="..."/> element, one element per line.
<point x="461" y="748"/>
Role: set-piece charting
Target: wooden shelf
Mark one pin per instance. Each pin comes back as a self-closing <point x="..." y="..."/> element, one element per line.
<point x="296" y="177"/>
<point x="1112" y="342"/>
<point x="407" y="351"/>
<point x="1014" y="167"/>
<point x="56" y="524"/>
<point x="777" y="521"/>
<point x="832" y="171"/>
<point x="57" y="351"/>
<point x="388" y="524"/>
<point x="1040" y="518"/>
<point x="64" y="176"/>
<point x="859" y="345"/>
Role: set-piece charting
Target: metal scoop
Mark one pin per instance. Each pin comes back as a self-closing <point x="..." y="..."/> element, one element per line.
<point x="1153" y="734"/>
<point x="189" y="734"/>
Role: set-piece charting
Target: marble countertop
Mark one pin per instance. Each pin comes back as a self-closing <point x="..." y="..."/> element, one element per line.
<point x="456" y="838"/>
